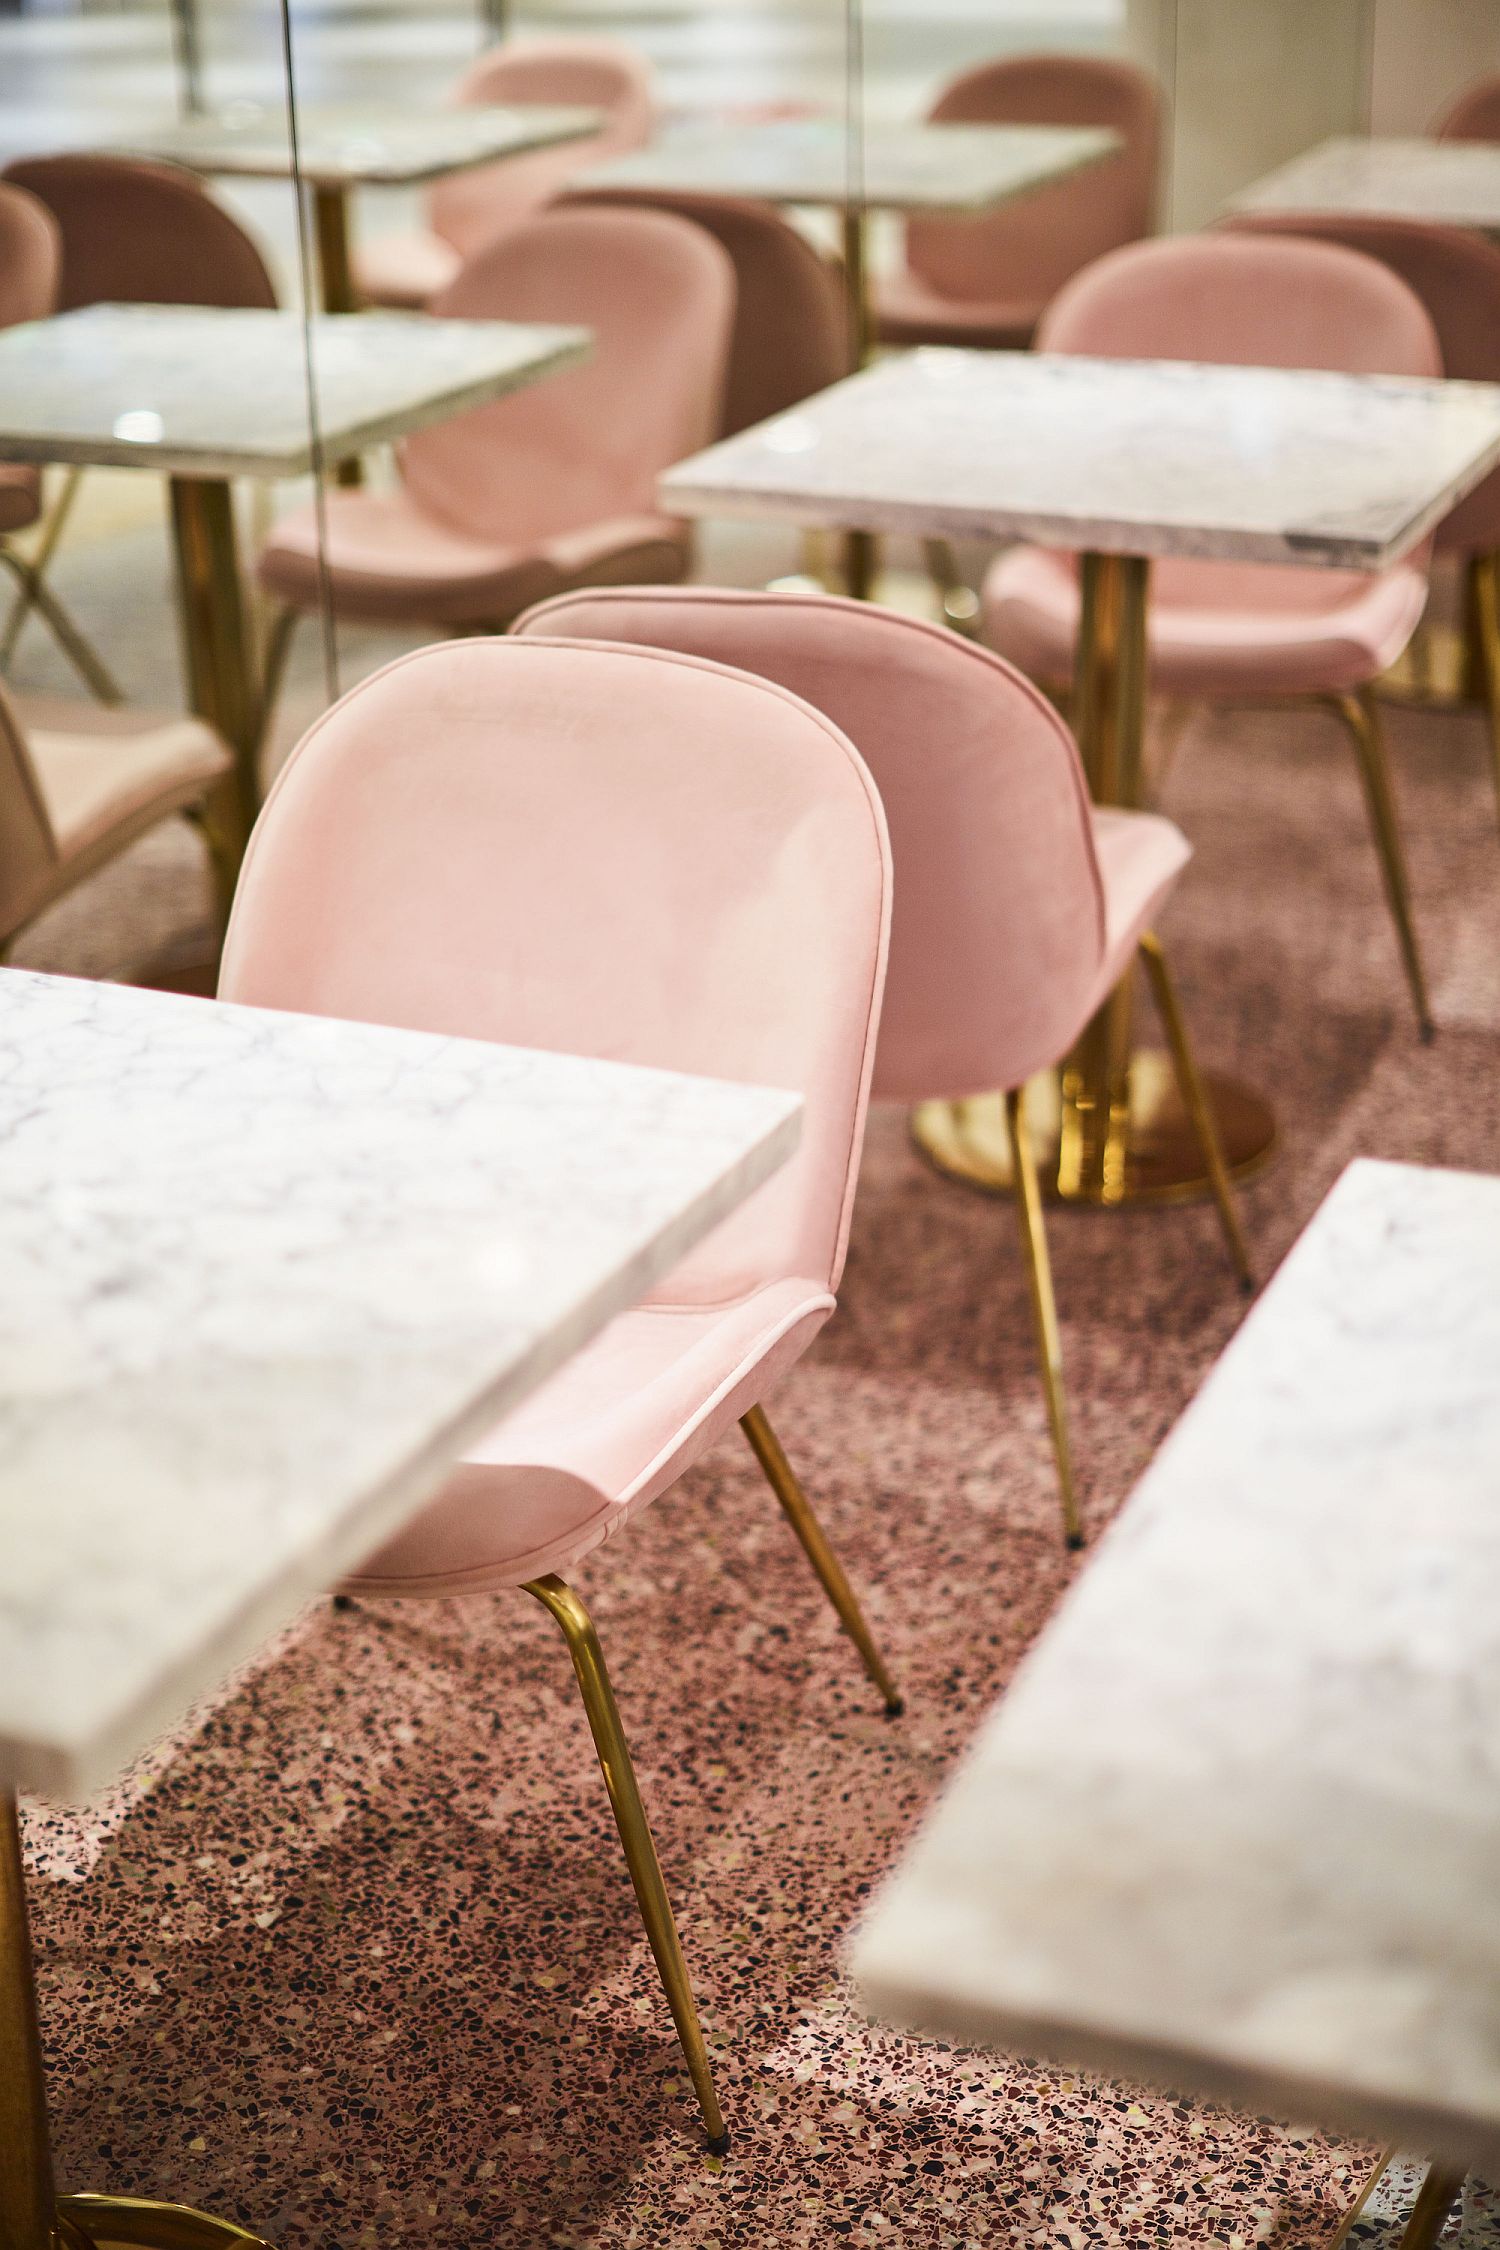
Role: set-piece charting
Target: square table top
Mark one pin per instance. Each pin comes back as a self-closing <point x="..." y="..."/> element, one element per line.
<point x="370" y="145"/>
<point x="197" y="391"/>
<point x="1236" y="1824"/>
<point x="919" y="167"/>
<point x="1448" y="183"/>
<point x="1145" y="457"/>
<point x="264" y="1277"/>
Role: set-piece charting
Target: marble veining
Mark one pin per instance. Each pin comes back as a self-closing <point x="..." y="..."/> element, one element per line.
<point x="954" y="168"/>
<point x="1149" y="457"/>
<point x="263" y="1277"/>
<point x="348" y="147"/>
<point x="199" y="391"/>
<point x="1448" y="183"/>
<point x="1237" y="1824"/>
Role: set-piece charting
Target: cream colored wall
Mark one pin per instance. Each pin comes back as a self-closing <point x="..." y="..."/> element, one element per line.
<point x="1423" y="52"/>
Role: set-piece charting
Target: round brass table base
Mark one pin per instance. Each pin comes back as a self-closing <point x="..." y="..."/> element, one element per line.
<point x="967" y="1140"/>
<point x="133" y="2222"/>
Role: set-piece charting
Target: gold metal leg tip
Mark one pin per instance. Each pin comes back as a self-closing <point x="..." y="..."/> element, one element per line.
<point x="1073" y="1541"/>
<point x="895" y="1706"/>
<point x="718" y="2144"/>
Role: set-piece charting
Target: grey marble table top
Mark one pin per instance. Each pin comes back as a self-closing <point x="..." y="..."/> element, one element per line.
<point x="264" y="1277"/>
<point x="1122" y="456"/>
<point x="1236" y="1825"/>
<point x="195" y="391"/>
<point x="955" y="168"/>
<point x="1450" y="183"/>
<point x="351" y="147"/>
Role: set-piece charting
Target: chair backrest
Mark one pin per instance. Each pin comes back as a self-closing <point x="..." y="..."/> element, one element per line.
<point x="1023" y="254"/>
<point x="27" y="849"/>
<point x="1457" y="277"/>
<point x="589" y="444"/>
<point x="1473" y="115"/>
<point x="30" y="257"/>
<point x="606" y="852"/>
<point x="997" y="939"/>
<point x="143" y="234"/>
<point x="791" y="326"/>
<point x="470" y="208"/>
<point x="1245" y="300"/>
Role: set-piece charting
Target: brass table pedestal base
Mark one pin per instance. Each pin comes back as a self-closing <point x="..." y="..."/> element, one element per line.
<point x="1156" y="1155"/>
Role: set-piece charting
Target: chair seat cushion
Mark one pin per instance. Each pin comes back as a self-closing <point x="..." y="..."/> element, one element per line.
<point x="612" y="1430"/>
<point x="1218" y="629"/>
<point x="389" y="559"/>
<point x="20" y="495"/>
<point x="909" y="311"/>
<point x="100" y="770"/>
<point x="403" y="271"/>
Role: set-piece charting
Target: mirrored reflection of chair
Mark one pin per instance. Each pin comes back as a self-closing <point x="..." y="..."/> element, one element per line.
<point x="1457" y="277"/>
<point x="79" y="784"/>
<point x="1019" y="906"/>
<point x="1473" y="114"/>
<point x="468" y="210"/>
<point x="630" y="855"/>
<point x="132" y="232"/>
<point x="555" y="486"/>
<point x="30" y="264"/>
<point x="1238" y="631"/>
<point x="986" y="281"/>
<point x="791" y="327"/>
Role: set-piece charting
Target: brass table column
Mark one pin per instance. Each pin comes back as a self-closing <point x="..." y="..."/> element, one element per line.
<point x="217" y="644"/>
<point x="32" y="2215"/>
<point x="336" y="278"/>
<point x="1114" y="1130"/>
<point x="859" y="546"/>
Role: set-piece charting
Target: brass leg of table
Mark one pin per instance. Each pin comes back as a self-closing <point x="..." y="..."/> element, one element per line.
<point x="860" y="558"/>
<point x="216" y="639"/>
<point x="336" y="278"/>
<point x="1113" y="1129"/>
<point x="32" y="2215"/>
<point x="1429" y="2214"/>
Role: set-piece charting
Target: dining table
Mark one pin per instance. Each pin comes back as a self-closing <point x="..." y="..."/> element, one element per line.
<point x="265" y="1277"/>
<point x="1439" y="183"/>
<point x="1232" y="1830"/>
<point x="204" y="395"/>
<point x="1121" y="462"/>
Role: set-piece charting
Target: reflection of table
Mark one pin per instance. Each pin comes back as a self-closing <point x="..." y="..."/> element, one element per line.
<point x="202" y="396"/>
<point x="1442" y="183"/>
<point x="342" y="149"/>
<point x="1234" y="1827"/>
<point x="1122" y="460"/>
<point x="265" y="1276"/>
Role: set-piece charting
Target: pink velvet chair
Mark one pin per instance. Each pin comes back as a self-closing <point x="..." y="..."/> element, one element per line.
<point x="791" y="326"/>
<point x="637" y="856"/>
<point x="1473" y="115"/>
<point x="555" y="486"/>
<point x="1457" y="277"/>
<point x="1019" y="906"/>
<point x="469" y="209"/>
<point x="1235" y="631"/>
<point x="986" y="281"/>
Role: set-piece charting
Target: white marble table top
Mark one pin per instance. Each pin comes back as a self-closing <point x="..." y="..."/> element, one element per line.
<point x="1236" y="1826"/>
<point x="349" y="147"/>
<point x="1448" y="183"/>
<point x="263" y="1277"/>
<point x="955" y="168"/>
<point x="195" y="391"/>
<point x="1147" y="457"/>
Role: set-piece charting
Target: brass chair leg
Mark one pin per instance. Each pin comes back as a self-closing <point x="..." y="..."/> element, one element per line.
<point x="1196" y="1102"/>
<point x="1484" y="580"/>
<point x="1358" y="715"/>
<point x="1429" y="2215"/>
<point x="35" y="595"/>
<point x="1043" y="1306"/>
<point x="783" y="1480"/>
<point x="956" y="598"/>
<point x="577" y="1626"/>
<point x="36" y="570"/>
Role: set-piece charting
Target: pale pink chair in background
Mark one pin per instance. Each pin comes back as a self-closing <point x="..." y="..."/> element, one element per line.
<point x="469" y="209"/>
<point x="791" y="326"/>
<point x="1473" y="115"/>
<point x="1238" y="631"/>
<point x="986" y="281"/>
<point x="30" y="265"/>
<point x="1457" y="276"/>
<point x="1019" y="906"/>
<point x="555" y="486"/>
<point x="635" y="856"/>
<point x="132" y="233"/>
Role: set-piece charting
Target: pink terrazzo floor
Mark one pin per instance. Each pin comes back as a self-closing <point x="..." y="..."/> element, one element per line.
<point x="361" y="1965"/>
